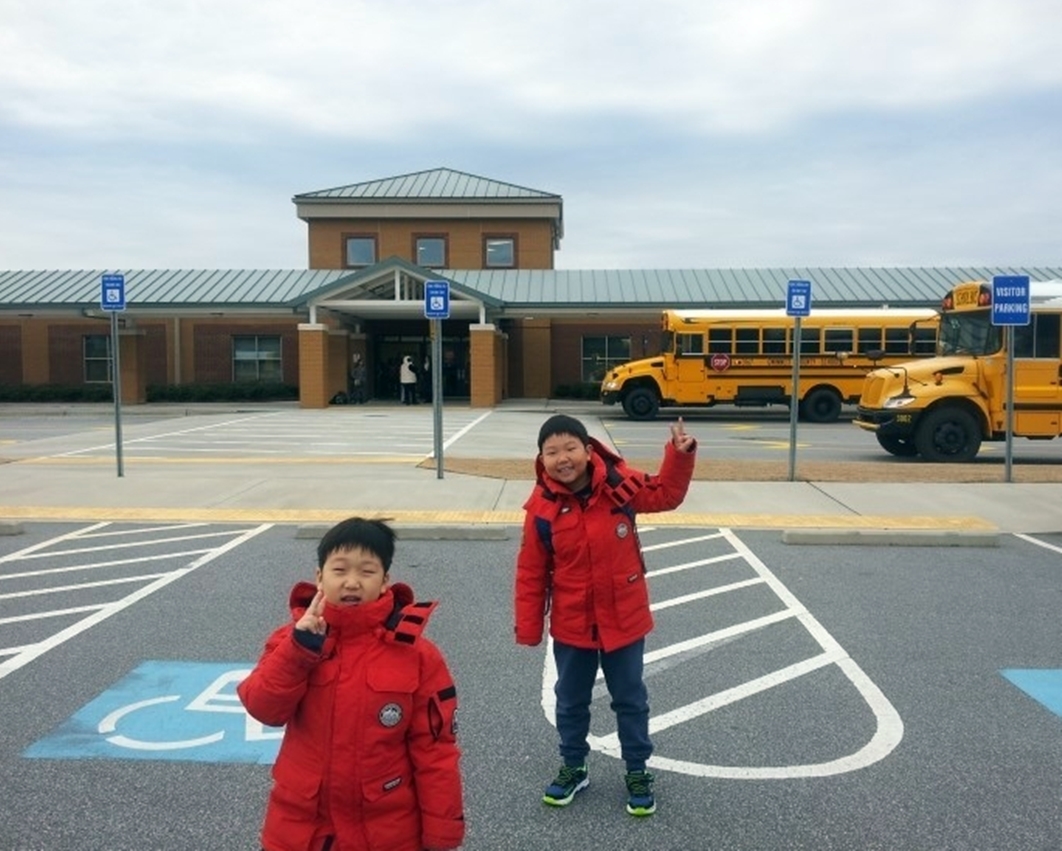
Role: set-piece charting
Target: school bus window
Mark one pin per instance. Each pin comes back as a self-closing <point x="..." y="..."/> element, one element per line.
<point x="925" y="341"/>
<point x="774" y="341"/>
<point x="839" y="340"/>
<point x="896" y="341"/>
<point x="719" y="340"/>
<point x="810" y="339"/>
<point x="691" y="344"/>
<point x="748" y="341"/>
<point x="869" y="340"/>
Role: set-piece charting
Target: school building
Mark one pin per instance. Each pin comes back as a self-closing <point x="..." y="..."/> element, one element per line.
<point x="518" y="326"/>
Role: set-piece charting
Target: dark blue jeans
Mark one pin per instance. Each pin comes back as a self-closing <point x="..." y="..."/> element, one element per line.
<point x="576" y="671"/>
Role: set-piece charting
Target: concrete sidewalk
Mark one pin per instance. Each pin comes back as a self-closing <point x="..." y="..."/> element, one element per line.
<point x="305" y="492"/>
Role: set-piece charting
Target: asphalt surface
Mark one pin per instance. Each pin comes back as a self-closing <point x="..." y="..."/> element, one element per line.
<point x="278" y="463"/>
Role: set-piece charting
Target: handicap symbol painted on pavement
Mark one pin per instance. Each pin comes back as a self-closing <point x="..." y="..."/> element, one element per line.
<point x="1043" y="685"/>
<point x="185" y="711"/>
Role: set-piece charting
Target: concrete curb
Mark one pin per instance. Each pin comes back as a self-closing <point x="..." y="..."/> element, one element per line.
<point x="891" y="537"/>
<point x="417" y="532"/>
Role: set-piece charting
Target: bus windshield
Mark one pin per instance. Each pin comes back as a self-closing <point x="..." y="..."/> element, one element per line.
<point x="969" y="334"/>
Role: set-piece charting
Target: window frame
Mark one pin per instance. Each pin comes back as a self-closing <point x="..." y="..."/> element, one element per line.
<point x="498" y="237"/>
<point x="443" y="238"/>
<point x="606" y="363"/>
<point x="261" y="357"/>
<point x="107" y="360"/>
<point x="368" y="237"/>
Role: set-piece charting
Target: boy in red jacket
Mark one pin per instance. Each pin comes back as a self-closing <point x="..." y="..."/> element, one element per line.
<point x="580" y="560"/>
<point x="369" y="759"/>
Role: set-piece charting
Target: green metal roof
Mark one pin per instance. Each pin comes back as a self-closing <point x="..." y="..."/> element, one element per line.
<point x="437" y="184"/>
<point x="515" y="289"/>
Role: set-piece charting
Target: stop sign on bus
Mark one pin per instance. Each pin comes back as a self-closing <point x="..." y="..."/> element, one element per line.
<point x="720" y="362"/>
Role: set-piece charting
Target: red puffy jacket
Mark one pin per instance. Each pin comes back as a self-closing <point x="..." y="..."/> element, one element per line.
<point x="369" y="755"/>
<point x="583" y="562"/>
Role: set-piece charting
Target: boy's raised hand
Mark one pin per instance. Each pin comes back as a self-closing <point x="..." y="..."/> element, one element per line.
<point x="312" y="619"/>
<point x="679" y="439"/>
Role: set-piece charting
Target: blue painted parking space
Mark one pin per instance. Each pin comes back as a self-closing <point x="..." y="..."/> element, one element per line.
<point x="1043" y="685"/>
<point x="186" y="711"/>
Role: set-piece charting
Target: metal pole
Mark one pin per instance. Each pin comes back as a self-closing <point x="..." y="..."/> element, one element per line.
<point x="1010" y="401"/>
<point x="436" y="393"/>
<point x="116" y="387"/>
<point x="794" y="395"/>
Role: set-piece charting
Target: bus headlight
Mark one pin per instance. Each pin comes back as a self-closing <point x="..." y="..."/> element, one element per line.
<point x="610" y="385"/>
<point x="899" y="401"/>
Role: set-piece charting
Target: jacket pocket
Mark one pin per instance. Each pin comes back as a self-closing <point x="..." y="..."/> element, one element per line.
<point x="631" y="594"/>
<point x="392" y="815"/>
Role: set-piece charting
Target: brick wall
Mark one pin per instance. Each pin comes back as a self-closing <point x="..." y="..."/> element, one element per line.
<point x="10" y="355"/>
<point x="534" y="240"/>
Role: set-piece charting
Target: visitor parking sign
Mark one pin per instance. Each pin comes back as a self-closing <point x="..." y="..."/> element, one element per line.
<point x="1011" y="300"/>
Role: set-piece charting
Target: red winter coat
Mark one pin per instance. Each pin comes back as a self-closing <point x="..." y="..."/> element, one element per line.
<point x="369" y="754"/>
<point x="583" y="563"/>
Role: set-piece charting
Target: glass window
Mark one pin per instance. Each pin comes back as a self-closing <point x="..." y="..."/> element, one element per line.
<point x="774" y="341"/>
<point x="1038" y="339"/>
<point x="690" y="344"/>
<point x="499" y="252"/>
<point x="361" y="250"/>
<point x="925" y="340"/>
<point x="869" y="340"/>
<point x="256" y="358"/>
<point x="839" y="340"/>
<point x="897" y="341"/>
<point x="431" y="251"/>
<point x="747" y="341"/>
<point x="600" y="354"/>
<point x="97" y="358"/>
<point x="720" y="340"/>
<point x="810" y="340"/>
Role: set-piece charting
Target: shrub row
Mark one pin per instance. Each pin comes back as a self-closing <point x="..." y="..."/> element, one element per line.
<point x="584" y="390"/>
<point x="243" y="392"/>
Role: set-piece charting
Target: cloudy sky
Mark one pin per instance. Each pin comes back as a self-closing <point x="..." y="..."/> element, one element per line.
<point x="707" y="133"/>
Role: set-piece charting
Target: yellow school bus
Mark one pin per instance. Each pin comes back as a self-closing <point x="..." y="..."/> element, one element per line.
<point x="745" y="357"/>
<point x="943" y="408"/>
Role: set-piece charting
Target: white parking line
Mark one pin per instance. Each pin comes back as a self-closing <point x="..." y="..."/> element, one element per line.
<point x="22" y="655"/>
<point x="888" y="732"/>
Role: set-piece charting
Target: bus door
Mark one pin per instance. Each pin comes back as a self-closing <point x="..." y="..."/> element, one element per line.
<point x="689" y="380"/>
<point x="1038" y="377"/>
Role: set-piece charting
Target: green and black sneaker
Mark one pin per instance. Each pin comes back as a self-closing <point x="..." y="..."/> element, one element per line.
<point x="640" y="800"/>
<point x="570" y="780"/>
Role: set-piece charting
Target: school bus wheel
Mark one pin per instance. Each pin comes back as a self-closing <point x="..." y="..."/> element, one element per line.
<point x="948" y="433"/>
<point x="901" y="447"/>
<point x="821" y="405"/>
<point x="641" y="403"/>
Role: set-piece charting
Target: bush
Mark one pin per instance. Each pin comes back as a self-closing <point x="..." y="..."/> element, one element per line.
<point x="56" y="393"/>
<point x="233" y="392"/>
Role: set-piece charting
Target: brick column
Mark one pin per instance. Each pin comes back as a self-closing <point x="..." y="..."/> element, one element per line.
<point x="313" y="366"/>
<point x="131" y="353"/>
<point x="535" y="358"/>
<point x="485" y="366"/>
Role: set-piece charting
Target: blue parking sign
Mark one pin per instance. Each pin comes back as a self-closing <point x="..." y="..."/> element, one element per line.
<point x="437" y="299"/>
<point x="798" y="298"/>
<point x="112" y="292"/>
<point x="1011" y="300"/>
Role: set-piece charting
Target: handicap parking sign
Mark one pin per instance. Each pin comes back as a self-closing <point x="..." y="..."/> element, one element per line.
<point x="186" y="711"/>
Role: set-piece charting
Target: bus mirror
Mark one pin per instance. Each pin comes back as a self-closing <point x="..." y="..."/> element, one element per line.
<point x="874" y="355"/>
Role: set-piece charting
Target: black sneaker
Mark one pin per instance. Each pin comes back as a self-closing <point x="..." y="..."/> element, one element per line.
<point x="570" y="780"/>
<point x="640" y="800"/>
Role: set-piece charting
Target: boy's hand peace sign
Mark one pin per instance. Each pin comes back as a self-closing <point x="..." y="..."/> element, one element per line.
<point x="680" y="440"/>
<point x="312" y="619"/>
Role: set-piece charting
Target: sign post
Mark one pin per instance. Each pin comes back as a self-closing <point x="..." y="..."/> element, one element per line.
<point x="436" y="309"/>
<point x="1011" y="306"/>
<point x="112" y="300"/>
<point x="797" y="305"/>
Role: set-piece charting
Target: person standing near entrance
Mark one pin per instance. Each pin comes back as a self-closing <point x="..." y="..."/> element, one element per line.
<point x="356" y="391"/>
<point x="407" y="377"/>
